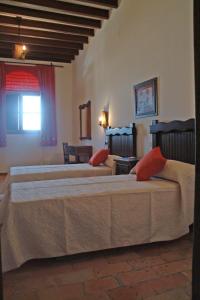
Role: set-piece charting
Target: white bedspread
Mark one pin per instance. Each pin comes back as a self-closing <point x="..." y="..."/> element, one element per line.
<point x="66" y="216"/>
<point x="48" y="172"/>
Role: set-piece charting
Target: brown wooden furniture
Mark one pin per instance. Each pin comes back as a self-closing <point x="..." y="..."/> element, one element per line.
<point x="85" y="121"/>
<point x="1" y="274"/>
<point x="81" y="153"/>
<point x="124" y="165"/>
<point x="196" y="238"/>
<point x="176" y="139"/>
<point x="122" y="140"/>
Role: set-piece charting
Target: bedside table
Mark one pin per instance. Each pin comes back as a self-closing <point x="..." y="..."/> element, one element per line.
<point x="124" y="165"/>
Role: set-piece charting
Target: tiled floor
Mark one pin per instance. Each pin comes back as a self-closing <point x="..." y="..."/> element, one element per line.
<point x="160" y="271"/>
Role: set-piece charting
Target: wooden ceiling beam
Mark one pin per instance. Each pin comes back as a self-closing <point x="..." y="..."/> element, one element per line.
<point x="106" y="3"/>
<point x="32" y="58"/>
<point x="42" y="42"/>
<point x="43" y="34"/>
<point x="83" y="10"/>
<point x="45" y="49"/>
<point x="37" y="54"/>
<point x="32" y="24"/>
<point x="39" y="14"/>
<point x="39" y="57"/>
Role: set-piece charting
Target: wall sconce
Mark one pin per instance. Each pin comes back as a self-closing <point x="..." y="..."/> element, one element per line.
<point x="103" y="119"/>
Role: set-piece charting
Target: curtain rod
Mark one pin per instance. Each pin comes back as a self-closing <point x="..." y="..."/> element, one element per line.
<point x="32" y="64"/>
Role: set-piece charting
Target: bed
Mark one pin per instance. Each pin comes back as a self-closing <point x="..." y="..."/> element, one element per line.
<point x="121" y="142"/>
<point x="67" y="216"/>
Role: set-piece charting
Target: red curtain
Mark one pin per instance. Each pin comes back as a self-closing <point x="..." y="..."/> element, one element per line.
<point x="47" y="86"/>
<point x="30" y="79"/>
<point x="2" y="106"/>
<point x="22" y="79"/>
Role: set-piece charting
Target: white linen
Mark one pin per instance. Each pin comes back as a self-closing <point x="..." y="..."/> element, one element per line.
<point x="51" y="172"/>
<point x="110" y="162"/>
<point x="184" y="174"/>
<point x="67" y="216"/>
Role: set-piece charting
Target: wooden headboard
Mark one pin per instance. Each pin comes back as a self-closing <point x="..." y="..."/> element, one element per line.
<point x="122" y="140"/>
<point x="176" y="139"/>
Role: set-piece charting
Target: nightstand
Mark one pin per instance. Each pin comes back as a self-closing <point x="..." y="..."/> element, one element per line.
<point x="125" y="164"/>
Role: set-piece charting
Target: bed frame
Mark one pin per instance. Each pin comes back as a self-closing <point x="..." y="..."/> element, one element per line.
<point x="122" y="140"/>
<point x="176" y="139"/>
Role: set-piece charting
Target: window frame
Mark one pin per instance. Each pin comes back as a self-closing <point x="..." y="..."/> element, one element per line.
<point x="20" y="95"/>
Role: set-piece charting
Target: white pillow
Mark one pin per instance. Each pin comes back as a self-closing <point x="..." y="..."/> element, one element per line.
<point x="173" y="169"/>
<point x="132" y="171"/>
<point x="110" y="162"/>
<point x="184" y="174"/>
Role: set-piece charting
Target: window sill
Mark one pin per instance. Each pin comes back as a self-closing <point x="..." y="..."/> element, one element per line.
<point x="26" y="132"/>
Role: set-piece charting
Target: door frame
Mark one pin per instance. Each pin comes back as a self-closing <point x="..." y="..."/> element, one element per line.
<point x="196" y="240"/>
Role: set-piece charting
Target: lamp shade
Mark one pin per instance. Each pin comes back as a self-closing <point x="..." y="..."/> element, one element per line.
<point x="103" y="119"/>
<point x="19" y="51"/>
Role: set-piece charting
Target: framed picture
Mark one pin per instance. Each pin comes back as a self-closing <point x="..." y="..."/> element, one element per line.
<point x="146" y="102"/>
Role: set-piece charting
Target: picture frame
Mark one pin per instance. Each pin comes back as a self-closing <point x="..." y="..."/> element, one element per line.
<point x="146" y="98"/>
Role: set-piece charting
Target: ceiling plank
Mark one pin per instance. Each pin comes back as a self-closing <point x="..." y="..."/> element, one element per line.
<point x="106" y="3"/>
<point x="87" y="11"/>
<point x="43" y="34"/>
<point x="35" y="48"/>
<point x="25" y="23"/>
<point x="35" y="41"/>
<point x="20" y="11"/>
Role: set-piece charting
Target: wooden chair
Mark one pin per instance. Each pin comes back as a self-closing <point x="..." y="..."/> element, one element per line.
<point x="66" y="152"/>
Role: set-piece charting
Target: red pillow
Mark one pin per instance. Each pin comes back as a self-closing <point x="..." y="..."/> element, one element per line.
<point x="151" y="163"/>
<point x="99" y="157"/>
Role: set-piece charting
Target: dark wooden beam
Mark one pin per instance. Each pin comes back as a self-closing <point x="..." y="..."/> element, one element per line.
<point x="106" y="3"/>
<point x="1" y="271"/>
<point x="196" y="237"/>
<point x="25" y="23"/>
<point x="49" y="56"/>
<point x="39" y="14"/>
<point x="43" y="42"/>
<point x="31" y="52"/>
<point x="87" y="11"/>
<point x="39" y="58"/>
<point x="40" y="49"/>
<point x="4" y="30"/>
<point x="4" y="52"/>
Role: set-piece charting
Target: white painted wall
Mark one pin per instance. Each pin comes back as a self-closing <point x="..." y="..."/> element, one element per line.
<point x="25" y="149"/>
<point x="143" y="39"/>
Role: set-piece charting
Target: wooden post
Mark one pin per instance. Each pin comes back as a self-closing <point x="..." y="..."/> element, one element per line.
<point x="196" y="242"/>
<point x="1" y="274"/>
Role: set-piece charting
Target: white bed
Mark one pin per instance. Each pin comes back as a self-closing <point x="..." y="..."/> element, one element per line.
<point x="121" y="142"/>
<point x="67" y="216"/>
<point x="48" y="172"/>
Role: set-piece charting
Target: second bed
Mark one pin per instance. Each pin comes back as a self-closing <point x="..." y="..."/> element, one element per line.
<point x="121" y="142"/>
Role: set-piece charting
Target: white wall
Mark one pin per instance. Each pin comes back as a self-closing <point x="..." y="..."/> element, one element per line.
<point x="25" y="149"/>
<point x="143" y="39"/>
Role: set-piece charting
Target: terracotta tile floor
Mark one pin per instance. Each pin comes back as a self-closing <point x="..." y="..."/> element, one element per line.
<point x="160" y="271"/>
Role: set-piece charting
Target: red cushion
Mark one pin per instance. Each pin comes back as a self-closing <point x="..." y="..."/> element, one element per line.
<point x="99" y="157"/>
<point x="151" y="163"/>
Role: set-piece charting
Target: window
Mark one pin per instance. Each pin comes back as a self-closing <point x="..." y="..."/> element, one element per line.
<point x="23" y="112"/>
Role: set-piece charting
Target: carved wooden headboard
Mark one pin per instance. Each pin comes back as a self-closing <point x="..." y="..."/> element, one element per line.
<point x="122" y="140"/>
<point x="176" y="139"/>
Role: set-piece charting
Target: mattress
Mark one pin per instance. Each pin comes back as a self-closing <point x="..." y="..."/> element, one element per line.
<point x="48" y="172"/>
<point x="61" y="217"/>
